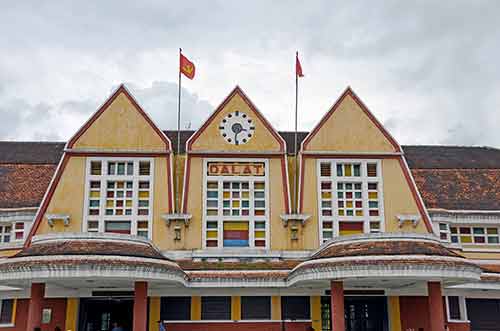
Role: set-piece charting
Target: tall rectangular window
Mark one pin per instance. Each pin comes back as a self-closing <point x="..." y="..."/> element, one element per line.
<point x="256" y="308"/>
<point x="215" y="308"/>
<point x="175" y="309"/>
<point x="6" y="311"/>
<point x="236" y="204"/>
<point x="119" y="196"/>
<point x="350" y="200"/>
<point x="296" y="307"/>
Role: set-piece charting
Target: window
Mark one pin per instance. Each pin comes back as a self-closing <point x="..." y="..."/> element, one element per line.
<point x="256" y="308"/>
<point x="5" y="233"/>
<point x="295" y="308"/>
<point x="444" y="232"/>
<point x="474" y="235"/>
<point x="6" y="311"/>
<point x="175" y="309"/>
<point x="119" y="196"/>
<point x="350" y="197"/>
<point x="216" y="308"/>
<point x="235" y="204"/>
<point x="456" y="310"/>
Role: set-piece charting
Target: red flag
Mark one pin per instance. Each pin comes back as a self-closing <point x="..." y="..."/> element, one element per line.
<point x="187" y="67"/>
<point x="298" y="67"/>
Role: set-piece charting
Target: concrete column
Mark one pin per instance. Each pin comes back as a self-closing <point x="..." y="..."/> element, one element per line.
<point x="436" y="311"/>
<point x="337" y="306"/>
<point x="140" y="306"/>
<point x="34" y="318"/>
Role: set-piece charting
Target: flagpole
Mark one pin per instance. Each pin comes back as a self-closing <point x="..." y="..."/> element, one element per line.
<point x="295" y="188"/>
<point x="178" y="137"/>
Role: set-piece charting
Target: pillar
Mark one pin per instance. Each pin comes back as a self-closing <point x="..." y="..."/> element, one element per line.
<point x="34" y="318"/>
<point x="316" y="312"/>
<point x="337" y="306"/>
<point x="140" y="306"/>
<point x="276" y="308"/>
<point x="435" y="304"/>
<point x="195" y="308"/>
<point x="236" y="308"/>
<point x="394" y="313"/>
<point x="154" y="312"/>
<point x="71" y="314"/>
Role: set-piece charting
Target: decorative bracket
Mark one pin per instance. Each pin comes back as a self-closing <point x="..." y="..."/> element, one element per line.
<point x="51" y="218"/>
<point x="413" y="218"/>
<point x="186" y="218"/>
<point x="302" y="218"/>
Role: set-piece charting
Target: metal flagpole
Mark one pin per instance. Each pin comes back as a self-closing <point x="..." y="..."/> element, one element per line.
<point x="295" y="188"/>
<point x="178" y="138"/>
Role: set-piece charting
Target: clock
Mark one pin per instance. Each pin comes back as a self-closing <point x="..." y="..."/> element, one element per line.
<point x="237" y="128"/>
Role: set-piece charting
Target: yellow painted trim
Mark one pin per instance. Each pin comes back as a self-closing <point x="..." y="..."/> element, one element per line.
<point x="236" y="308"/>
<point x="316" y="312"/>
<point x="394" y="314"/>
<point x="195" y="308"/>
<point x="154" y="312"/>
<point x="71" y="314"/>
<point x="14" y="309"/>
<point x="276" y="308"/>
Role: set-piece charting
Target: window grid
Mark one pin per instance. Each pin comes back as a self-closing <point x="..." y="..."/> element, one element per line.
<point x="444" y="232"/>
<point x="350" y="197"/>
<point x="119" y="196"/>
<point x="5" y="233"/>
<point x="235" y="211"/>
<point x="475" y="235"/>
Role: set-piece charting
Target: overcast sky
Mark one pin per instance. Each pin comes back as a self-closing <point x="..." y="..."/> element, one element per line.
<point x="429" y="70"/>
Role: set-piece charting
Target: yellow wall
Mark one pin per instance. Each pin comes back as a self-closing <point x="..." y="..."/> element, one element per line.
<point x="67" y="199"/>
<point x="210" y="138"/>
<point x="120" y="127"/>
<point x="349" y="130"/>
<point x="72" y="314"/>
<point x="8" y="252"/>
<point x="276" y="308"/>
<point x="236" y="308"/>
<point x="394" y="313"/>
<point x="195" y="308"/>
<point x="316" y="312"/>
<point x="163" y="236"/>
<point x="154" y="313"/>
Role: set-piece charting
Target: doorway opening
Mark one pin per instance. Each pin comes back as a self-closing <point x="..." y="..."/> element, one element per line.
<point x="102" y="314"/>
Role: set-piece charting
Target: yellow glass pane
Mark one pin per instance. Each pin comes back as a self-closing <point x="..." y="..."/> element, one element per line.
<point x="347" y="170"/>
<point x="211" y="234"/>
<point x="260" y="234"/>
<point x="119" y="184"/>
<point x="236" y="204"/>
<point x="212" y="212"/>
<point x="245" y="194"/>
<point x="259" y="186"/>
<point x="349" y="204"/>
<point x="235" y="225"/>
<point x="212" y="185"/>
<point x="109" y="203"/>
<point x="359" y="213"/>
<point x="95" y="194"/>
<point x="372" y="195"/>
<point x="341" y="212"/>
<point x="226" y="195"/>
<point x="466" y="239"/>
<point x="349" y="232"/>
<point x="128" y="203"/>
<point x="142" y="224"/>
<point x="326" y="195"/>
<point x="143" y="194"/>
<point x="492" y="231"/>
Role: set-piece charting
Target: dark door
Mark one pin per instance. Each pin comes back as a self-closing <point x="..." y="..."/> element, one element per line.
<point x="484" y="314"/>
<point x="361" y="314"/>
<point x="101" y="314"/>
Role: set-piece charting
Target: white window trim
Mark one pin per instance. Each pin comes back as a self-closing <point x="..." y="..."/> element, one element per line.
<point x="220" y="219"/>
<point x="104" y="178"/>
<point x="471" y="227"/>
<point x="364" y="179"/>
<point x="462" y="308"/>
<point x="447" y="231"/>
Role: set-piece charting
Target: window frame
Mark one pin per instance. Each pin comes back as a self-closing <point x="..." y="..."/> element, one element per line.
<point x="485" y="234"/>
<point x="251" y="218"/>
<point x="12" y="314"/>
<point x="243" y="311"/>
<point x="284" y="305"/>
<point x="103" y="178"/>
<point x="228" y="302"/>
<point x="462" y="308"/>
<point x="180" y="300"/>
<point x="364" y="179"/>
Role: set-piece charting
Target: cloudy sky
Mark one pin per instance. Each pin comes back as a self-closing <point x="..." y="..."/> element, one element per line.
<point x="429" y="70"/>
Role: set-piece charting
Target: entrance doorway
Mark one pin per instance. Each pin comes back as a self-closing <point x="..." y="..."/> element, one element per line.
<point x="101" y="314"/>
<point x="361" y="313"/>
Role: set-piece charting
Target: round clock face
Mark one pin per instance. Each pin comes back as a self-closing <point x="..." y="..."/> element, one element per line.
<point x="237" y="128"/>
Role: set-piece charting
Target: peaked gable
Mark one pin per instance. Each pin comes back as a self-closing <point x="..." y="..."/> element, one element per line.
<point x="350" y="127"/>
<point x="120" y="124"/>
<point x="264" y="138"/>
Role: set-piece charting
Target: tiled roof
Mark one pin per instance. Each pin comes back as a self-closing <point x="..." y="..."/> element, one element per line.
<point x="448" y="177"/>
<point x="23" y="185"/>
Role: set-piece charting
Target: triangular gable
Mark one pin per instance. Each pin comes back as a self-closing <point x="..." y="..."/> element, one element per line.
<point x="120" y="124"/>
<point x="209" y="136"/>
<point x="350" y="127"/>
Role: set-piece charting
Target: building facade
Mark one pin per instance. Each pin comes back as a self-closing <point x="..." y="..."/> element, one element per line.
<point x="234" y="231"/>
